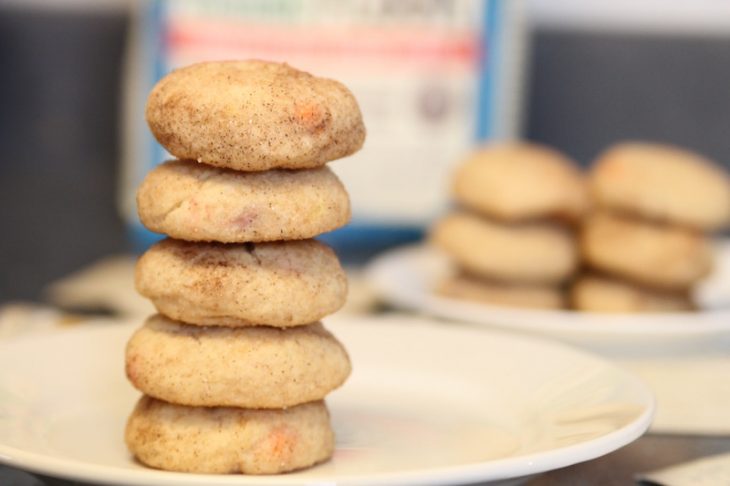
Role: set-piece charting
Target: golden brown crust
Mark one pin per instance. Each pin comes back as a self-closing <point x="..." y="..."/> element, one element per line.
<point x="249" y="367"/>
<point x="653" y="254"/>
<point x="254" y="115"/>
<point x="521" y="181"/>
<point x="229" y="440"/>
<point x="663" y="183"/>
<point x="279" y="284"/>
<point x="195" y="202"/>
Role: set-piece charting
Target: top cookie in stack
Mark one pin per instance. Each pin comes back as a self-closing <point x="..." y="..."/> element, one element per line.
<point x="253" y="116"/>
<point x="241" y="205"/>
<point x="512" y="238"/>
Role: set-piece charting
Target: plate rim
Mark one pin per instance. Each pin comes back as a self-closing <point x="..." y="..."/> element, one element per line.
<point x="491" y="470"/>
<point x="676" y="324"/>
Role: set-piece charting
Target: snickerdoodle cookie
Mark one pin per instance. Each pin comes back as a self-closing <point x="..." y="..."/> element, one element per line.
<point x="249" y="367"/>
<point x="654" y="254"/>
<point x="521" y="181"/>
<point x="220" y="440"/>
<point x="254" y="115"/>
<point x="528" y="253"/>
<point x="196" y="202"/>
<point x="663" y="183"/>
<point x="279" y="284"/>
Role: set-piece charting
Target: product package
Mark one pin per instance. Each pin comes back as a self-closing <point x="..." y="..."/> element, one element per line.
<point x="433" y="78"/>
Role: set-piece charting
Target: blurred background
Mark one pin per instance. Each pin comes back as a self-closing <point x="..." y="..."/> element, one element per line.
<point x="433" y="77"/>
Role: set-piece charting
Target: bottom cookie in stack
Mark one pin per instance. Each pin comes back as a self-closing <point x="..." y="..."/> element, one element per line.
<point x="219" y="440"/>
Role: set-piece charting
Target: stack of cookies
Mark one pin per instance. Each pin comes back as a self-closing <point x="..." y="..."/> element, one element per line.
<point x="511" y="238"/>
<point x="647" y="241"/>
<point x="235" y="366"/>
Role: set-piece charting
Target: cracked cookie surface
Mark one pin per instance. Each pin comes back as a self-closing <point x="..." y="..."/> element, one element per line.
<point x="220" y="440"/>
<point x="280" y="284"/>
<point x="254" y="115"/>
<point x="249" y="367"/>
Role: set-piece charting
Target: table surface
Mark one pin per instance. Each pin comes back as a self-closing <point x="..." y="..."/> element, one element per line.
<point x="649" y="453"/>
<point x="618" y="468"/>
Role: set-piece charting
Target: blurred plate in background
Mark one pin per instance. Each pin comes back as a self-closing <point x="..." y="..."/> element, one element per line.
<point x="405" y="277"/>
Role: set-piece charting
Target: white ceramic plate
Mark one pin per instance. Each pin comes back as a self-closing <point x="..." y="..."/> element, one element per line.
<point x="406" y="276"/>
<point x="426" y="404"/>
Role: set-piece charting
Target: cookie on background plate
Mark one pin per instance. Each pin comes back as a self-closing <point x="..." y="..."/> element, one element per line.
<point x="221" y="440"/>
<point x="527" y="253"/>
<point x="280" y="284"/>
<point x="598" y="293"/>
<point x="249" y="367"/>
<point x="195" y="202"/>
<point x="654" y="254"/>
<point x="518" y="181"/>
<point x="663" y="183"/>
<point x="254" y="115"/>
<point x="504" y="294"/>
